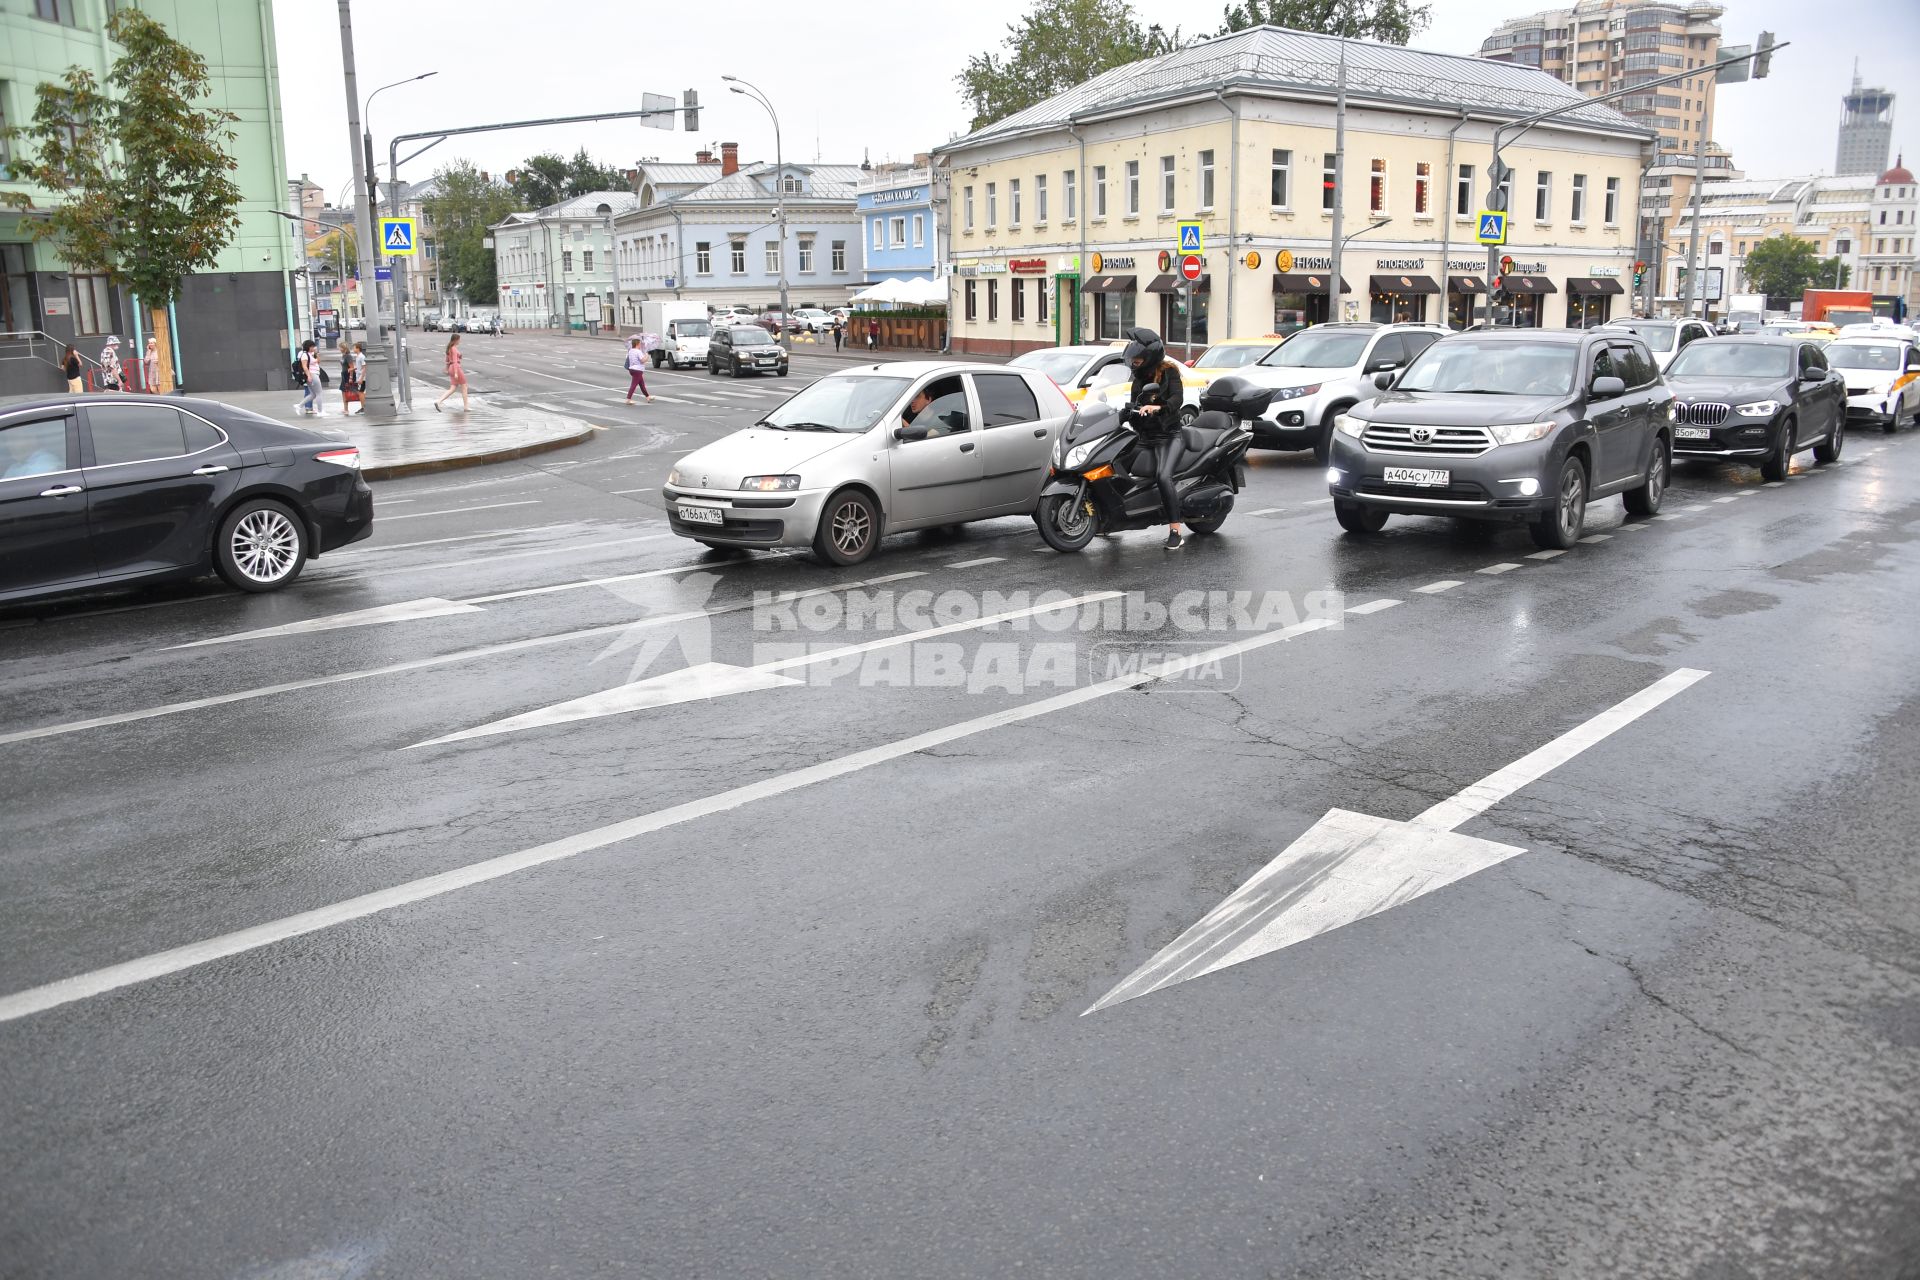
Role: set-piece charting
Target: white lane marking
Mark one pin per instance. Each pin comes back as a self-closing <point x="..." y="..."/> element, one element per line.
<point x="455" y="511"/>
<point x="435" y="542"/>
<point x="414" y="664"/>
<point x="1546" y="555"/>
<point x="578" y="584"/>
<point x="129" y="973"/>
<point x="1435" y="588"/>
<point x="652" y="488"/>
<point x="597" y="386"/>
<point x="971" y="564"/>
<point x="1266" y="511"/>
<point x="1732" y="497"/>
<point x="531" y="475"/>
<point x="718" y="679"/>
<point x="1632" y="528"/>
<point x="405" y="611"/>
<point x="1371" y="606"/>
<point x="1593" y="538"/>
<point x="1746" y="493"/>
<point x="1349" y="866"/>
<point x="569" y="549"/>
<point x="1318" y="502"/>
<point x="1687" y="511"/>
<point x="397" y="502"/>
<point x="1499" y="568"/>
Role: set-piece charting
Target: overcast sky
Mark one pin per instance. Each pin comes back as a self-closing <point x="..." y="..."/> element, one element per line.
<point x="848" y="78"/>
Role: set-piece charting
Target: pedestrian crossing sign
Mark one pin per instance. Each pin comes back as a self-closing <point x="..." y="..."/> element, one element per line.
<point x="1190" y="238"/>
<point x="396" y="237"/>
<point x="1493" y="227"/>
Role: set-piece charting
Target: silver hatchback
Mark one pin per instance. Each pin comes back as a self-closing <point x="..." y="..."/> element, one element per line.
<point x="879" y="449"/>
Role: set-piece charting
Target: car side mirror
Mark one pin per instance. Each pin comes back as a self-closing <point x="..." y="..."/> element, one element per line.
<point x="1606" y="388"/>
<point x="1381" y="366"/>
<point x="910" y="431"/>
<point x="1813" y="375"/>
<point x="1384" y="381"/>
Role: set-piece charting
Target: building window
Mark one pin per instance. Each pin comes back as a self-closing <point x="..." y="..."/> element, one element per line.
<point x="1206" y="179"/>
<point x="1040" y="198"/>
<point x="919" y="230"/>
<point x="60" y="11"/>
<point x="1069" y="196"/>
<point x="1168" y="196"/>
<point x="92" y="306"/>
<point x="566" y="260"/>
<point x="993" y="301"/>
<point x="806" y="254"/>
<point x="586" y="260"/>
<point x="897" y="232"/>
<point x="973" y="307"/>
<point x="1422" y="189"/>
<point x="967" y="207"/>
<point x="1506" y="190"/>
<point x="1843" y="246"/>
<point x="1463" y="192"/>
<point x="703" y="257"/>
<point x="1613" y="202"/>
<point x="1099" y="191"/>
<point x="839" y="256"/>
<point x="1329" y="184"/>
<point x="1280" y="179"/>
<point x="1377" y="187"/>
<point x="1013" y="202"/>
<point x="1133" y="188"/>
<point x="1040" y="301"/>
<point x="789" y="185"/>
<point x="1017" y="290"/>
<point x="1579" y="199"/>
<point x="879" y="234"/>
<point x="1883" y="222"/>
<point x="1542" y="196"/>
<point x="993" y="206"/>
<point x="739" y="256"/>
<point x="773" y="257"/>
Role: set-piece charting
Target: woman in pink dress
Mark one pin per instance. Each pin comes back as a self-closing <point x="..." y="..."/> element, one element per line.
<point x="456" y="376"/>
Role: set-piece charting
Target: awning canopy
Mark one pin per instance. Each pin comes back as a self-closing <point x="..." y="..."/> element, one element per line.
<point x="1591" y="286"/>
<point x="1307" y="282"/>
<point x="1528" y="284"/>
<point x="1465" y="284"/>
<point x="1402" y="284"/>
<point x="1178" y="284"/>
<point x="1110" y="284"/>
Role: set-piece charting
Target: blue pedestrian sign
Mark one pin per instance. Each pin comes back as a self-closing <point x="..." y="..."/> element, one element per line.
<point x="1191" y="240"/>
<point x="1493" y="227"/>
<point x="396" y="236"/>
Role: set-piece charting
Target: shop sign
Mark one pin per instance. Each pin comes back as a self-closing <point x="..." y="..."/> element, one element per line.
<point x="1399" y="264"/>
<point x="1028" y="266"/>
<point x="906" y="195"/>
<point x="55" y="306"/>
<point x="1467" y="267"/>
<point x="1526" y="269"/>
<point x="1105" y="262"/>
<point x="1604" y="271"/>
<point x="1286" y="262"/>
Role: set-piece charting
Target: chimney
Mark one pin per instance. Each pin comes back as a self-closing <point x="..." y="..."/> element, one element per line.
<point x="729" y="159"/>
<point x="703" y="156"/>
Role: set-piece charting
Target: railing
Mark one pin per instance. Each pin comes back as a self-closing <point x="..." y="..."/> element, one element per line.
<point x="43" y="347"/>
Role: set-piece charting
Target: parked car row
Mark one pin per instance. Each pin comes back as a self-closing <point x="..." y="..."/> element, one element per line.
<point x="463" y="324"/>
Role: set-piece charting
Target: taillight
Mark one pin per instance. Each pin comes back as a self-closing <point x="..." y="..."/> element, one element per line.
<point x="342" y="456"/>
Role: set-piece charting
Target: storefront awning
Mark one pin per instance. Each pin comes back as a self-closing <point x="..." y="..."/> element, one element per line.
<point x="1307" y="282"/>
<point x="1465" y="284"/>
<point x="1592" y="286"/>
<point x="1528" y="284"/>
<point x="1402" y="284"/>
<point x="1110" y="284"/>
<point x="1178" y="284"/>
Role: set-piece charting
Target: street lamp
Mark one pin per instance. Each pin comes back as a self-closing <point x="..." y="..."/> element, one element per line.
<point x="741" y="87"/>
<point x="340" y="246"/>
<point x="1350" y="238"/>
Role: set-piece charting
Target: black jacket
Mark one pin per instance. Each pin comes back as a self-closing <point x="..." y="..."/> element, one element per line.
<point x="1165" y="389"/>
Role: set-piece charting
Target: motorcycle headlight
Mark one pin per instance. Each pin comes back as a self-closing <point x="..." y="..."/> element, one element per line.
<point x="1078" y="455"/>
<point x="1520" y="432"/>
<point x="1758" y="409"/>
<point x="673" y="476"/>
<point x="770" y="484"/>
<point x="1348" y="425"/>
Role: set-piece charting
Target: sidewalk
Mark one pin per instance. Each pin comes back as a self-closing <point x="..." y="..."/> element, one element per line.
<point x="420" y="441"/>
<point x="824" y="348"/>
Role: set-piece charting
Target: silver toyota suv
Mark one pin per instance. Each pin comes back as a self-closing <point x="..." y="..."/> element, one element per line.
<point x="1321" y="372"/>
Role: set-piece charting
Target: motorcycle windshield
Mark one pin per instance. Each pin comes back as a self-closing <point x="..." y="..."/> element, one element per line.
<point x="1091" y="421"/>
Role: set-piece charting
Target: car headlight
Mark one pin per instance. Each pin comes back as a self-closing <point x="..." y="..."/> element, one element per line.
<point x="770" y="484"/>
<point x="1294" y="393"/>
<point x="1673" y="411"/>
<point x="1078" y="455"/>
<point x="673" y="476"/>
<point x="1758" y="409"/>
<point x="1520" y="432"/>
<point x="1348" y="425"/>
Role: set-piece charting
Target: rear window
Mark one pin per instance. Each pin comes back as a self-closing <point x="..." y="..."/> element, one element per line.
<point x="134" y="433"/>
<point x="1005" y="399"/>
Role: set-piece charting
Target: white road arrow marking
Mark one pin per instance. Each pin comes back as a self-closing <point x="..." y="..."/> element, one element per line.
<point x="1349" y="866"/>
<point x="405" y="611"/>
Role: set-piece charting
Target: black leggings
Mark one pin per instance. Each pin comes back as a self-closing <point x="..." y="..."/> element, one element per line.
<point x="1166" y="455"/>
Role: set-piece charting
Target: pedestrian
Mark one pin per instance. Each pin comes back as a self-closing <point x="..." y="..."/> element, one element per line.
<point x="456" y="376"/>
<point x="110" y="364"/>
<point x="311" y="376"/>
<point x="636" y="366"/>
<point x="836" y="334"/>
<point x="150" y="367"/>
<point x="873" y="335"/>
<point x="73" y="371"/>
<point x="360" y="375"/>
<point x="353" y="377"/>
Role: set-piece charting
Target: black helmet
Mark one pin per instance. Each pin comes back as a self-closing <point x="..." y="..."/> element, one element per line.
<point x="1145" y="351"/>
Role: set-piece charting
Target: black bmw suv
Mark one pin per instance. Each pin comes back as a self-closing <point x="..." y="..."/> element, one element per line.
<point x="1758" y="400"/>
<point x="1519" y="426"/>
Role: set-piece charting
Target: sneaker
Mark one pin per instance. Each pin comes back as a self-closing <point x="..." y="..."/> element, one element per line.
<point x="1175" y="540"/>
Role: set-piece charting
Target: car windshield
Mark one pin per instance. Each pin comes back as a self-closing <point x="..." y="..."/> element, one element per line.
<point x="1658" y="336"/>
<point x="1473" y="366"/>
<point x="1732" y="360"/>
<point x="1309" y="349"/>
<point x="1884" y="356"/>
<point x="692" y="328"/>
<point x="1225" y="357"/>
<point x="1062" y="366"/>
<point x="850" y="404"/>
<point x="755" y="337"/>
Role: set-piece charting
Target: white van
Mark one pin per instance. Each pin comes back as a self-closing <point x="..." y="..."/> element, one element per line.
<point x="683" y="330"/>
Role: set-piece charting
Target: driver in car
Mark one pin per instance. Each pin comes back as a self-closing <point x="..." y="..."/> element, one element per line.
<point x="922" y="400"/>
<point x="25" y="457"/>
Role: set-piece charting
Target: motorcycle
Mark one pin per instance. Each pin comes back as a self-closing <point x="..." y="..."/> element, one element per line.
<point x="1102" y="478"/>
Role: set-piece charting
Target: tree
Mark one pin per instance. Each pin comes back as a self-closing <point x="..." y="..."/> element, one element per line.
<point x="142" y="165"/>
<point x="585" y="174"/>
<point x="548" y="178"/>
<point x="1059" y="44"/>
<point x="1390" y="21"/>
<point x="468" y="204"/>
<point x="1782" y="267"/>
<point x="1831" y="273"/>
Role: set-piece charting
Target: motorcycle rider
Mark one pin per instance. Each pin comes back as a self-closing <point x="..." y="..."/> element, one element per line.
<point x="1157" y="395"/>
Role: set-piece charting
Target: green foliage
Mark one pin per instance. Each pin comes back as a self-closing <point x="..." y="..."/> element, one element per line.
<point x="1831" y="273"/>
<point x="1059" y="44"/>
<point x="548" y="178"/>
<point x="142" y="169"/>
<point x="468" y="204"/>
<point x="1784" y="267"/>
<point x="1390" y="21"/>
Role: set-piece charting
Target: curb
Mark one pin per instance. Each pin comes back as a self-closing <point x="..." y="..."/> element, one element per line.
<point x="400" y="470"/>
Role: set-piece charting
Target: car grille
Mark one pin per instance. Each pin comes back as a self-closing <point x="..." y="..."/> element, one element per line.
<point x="1704" y="415"/>
<point x="1460" y="491"/>
<point x="1438" y="442"/>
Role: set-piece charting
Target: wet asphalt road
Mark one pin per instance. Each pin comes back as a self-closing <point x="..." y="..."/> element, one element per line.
<point x="812" y="1012"/>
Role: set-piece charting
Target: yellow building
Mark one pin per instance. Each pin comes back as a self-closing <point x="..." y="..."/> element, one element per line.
<point x="1059" y="215"/>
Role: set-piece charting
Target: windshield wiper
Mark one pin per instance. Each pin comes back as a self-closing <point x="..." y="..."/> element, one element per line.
<point x="809" y="426"/>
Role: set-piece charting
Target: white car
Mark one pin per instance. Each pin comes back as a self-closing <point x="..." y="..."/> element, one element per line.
<point x="812" y="319"/>
<point x="1880" y="329"/>
<point x="1665" y="339"/>
<point x="1883" y="378"/>
<point x="1321" y="372"/>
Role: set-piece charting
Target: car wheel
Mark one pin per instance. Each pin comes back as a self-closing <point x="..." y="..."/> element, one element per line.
<point x="1828" y="450"/>
<point x="1562" y="526"/>
<point x="1774" y="467"/>
<point x="1064" y="524"/>
<point x="261" y="547"/>
<point x="1323" y="443"/>
<point x="659" y="358"/>
<point x="1358" y="517"/>
<point x="1188" y="414"/>
<point x="1645" y="500"/>
<point x="713" y="370"/>
<point x="733" y="370"/>
<point x="783" y="371"/>
<point x="849" y="529"/>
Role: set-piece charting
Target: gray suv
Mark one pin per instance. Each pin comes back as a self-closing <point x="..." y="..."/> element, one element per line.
<point x="1521" y="426"/>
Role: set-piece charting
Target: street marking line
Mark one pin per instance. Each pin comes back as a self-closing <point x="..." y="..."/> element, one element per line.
<point x="1266" y="511"/>
<point x="1503" y="567"/>
<point x="435" y="542"/>
<point x="570" y="549"/>
<point x="404" y="611"/>
<point x="1594" y="538"/>
<point x="1732" y="497"/>
<point x="652" y="488"/>
<point x="1371" y="606"/>
<point x="1746" y="493"/>
<point x="454" y="511"/>
<point x="84" y="986"/>
<point x="1545" y="555"/>
<point x="972" y="564"/>
<point x="1633" y="528"/>
<point x="1435" y="588"/>
<point x="1687" y="511"/>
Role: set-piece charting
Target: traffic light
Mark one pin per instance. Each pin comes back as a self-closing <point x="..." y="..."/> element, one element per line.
<point x="1497" y="291"/>
<point x="690" y="106"/>
<point x="1762" y="55"/>
<point x="1639" y="274"/>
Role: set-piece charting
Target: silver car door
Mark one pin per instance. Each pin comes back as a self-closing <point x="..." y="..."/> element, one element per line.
<point x="935" y="462"/>
<point x="1014" y="443"/>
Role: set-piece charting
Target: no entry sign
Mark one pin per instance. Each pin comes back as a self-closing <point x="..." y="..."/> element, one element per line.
<point x="1190" y="266"/>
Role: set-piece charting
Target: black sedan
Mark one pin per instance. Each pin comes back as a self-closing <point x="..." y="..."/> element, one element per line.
<point x="111" y="491"/>
<point x="1758" y="399"/>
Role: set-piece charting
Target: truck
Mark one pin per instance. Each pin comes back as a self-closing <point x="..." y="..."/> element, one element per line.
<point x="682" y="329"/>
<point x="1746" y="312"/>
<point x="1837" y="306"/>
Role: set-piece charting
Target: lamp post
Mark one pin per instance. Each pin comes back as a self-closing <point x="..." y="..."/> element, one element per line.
<point x="1355" y="235"/>
<point x="740" y="86"/>
<point x="373" y="175"/>
<point x="339" y="244"/>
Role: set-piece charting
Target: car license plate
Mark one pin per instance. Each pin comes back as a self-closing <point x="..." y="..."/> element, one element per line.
<point x="700" y="515"/>
<point x="1692" y="433"/>
<point x="1419" y="476"/>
